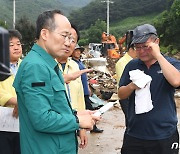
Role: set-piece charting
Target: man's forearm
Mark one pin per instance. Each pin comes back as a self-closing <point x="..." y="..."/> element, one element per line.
<point x="171" y="74"/>
<point x="125" y="91"/>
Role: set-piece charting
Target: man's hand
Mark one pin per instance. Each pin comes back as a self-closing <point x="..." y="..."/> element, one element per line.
<point x="89" y="112"/>
<point x="87" y="120"/>
<point x="15" y="111"/>
<point x="83" y="138"/>
<point x="85" y="112"/>
<point x="75" y="75"/>
<point x="13" y="101"/>
<point x="155" y="50"/>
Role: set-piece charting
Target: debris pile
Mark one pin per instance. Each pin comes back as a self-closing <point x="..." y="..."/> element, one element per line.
<point x="104" y="81"/>
<point x="111" y="65"/>
<point x="101" y="79"/>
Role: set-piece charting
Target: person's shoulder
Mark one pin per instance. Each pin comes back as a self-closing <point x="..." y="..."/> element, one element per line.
<point x="73" y="66"/>
<point x="133" y="64"/>
<point x="175" y="62"/>
<point x="29" y="57"/>
<point x="171" y="59"/>
<point x="134" y="61"/>
<point x="119" y="61"/>
<point x="7" y="81"/>
<point x="33" y="58"/>
<point x="72" y="63"/>
<point x="32" y="63"/>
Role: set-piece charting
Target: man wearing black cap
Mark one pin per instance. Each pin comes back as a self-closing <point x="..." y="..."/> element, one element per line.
<point x="154" y="131"/>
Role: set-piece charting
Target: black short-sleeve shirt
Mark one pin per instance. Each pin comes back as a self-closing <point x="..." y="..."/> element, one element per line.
<point x="161" y="121"/>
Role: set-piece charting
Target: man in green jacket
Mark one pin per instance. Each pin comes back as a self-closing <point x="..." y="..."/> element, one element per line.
<point x="48" y="124"/>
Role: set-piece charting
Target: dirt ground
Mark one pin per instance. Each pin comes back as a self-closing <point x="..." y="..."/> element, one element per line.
<point x="110" y="141"/>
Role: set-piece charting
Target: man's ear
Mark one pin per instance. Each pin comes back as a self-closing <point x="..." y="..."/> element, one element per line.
<point x="44" y="34"/>
<point x="157" y="41"/>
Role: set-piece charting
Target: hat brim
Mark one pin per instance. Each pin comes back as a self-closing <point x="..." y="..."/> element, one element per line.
<point x="141" y="39"/>
<point x="81" y="49"/>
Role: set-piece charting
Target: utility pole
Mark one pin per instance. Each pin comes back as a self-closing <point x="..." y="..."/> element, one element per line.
<point x="108" y="2"/>
<point x="14" y="14"/>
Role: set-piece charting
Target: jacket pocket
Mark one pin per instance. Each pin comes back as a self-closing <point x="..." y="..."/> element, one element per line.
<point x="60" y="97"/>
<point x="57" y="85"/>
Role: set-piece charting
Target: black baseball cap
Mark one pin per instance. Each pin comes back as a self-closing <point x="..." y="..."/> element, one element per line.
<point x="142" y="33"/>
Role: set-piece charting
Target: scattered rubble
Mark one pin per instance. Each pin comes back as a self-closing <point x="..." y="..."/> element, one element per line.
<point x="102" y="78"/>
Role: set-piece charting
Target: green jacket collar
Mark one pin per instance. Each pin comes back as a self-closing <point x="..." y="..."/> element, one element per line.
<point x="47" y="57"/>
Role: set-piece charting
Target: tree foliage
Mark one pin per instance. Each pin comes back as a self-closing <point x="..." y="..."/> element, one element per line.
<point x="93" y="34"/>
<point x="96" y="30"/>
<point x="3" y="24"/>
<point x="27" y="30"/>
<point x="168" y="26"/>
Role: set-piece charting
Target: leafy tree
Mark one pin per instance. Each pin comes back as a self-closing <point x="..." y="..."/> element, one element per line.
<point x="92" y="12"/>
<point x="168" y="27"/>
<point x="3" y="24"/>
<point x="27" y="29"/>
<point x="95" y="31"/>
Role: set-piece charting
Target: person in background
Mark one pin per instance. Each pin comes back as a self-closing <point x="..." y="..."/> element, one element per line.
<point x="48" y="124"/>
<point x="76" y="57"/>
<point x="74" y="87"/>
<point x="9" y="141"/>
<point x="120" y="65"/>
<point x="154" y="131"/>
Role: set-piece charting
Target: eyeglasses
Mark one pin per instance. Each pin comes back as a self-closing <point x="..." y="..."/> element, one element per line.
<point x="67" y="38"/>
<point x="144" y="47"/>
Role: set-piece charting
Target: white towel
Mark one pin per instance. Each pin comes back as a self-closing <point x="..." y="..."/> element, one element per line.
<point x="143" y="102"/>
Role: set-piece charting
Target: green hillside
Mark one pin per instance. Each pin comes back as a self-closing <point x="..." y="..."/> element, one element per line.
<point x="119" y="10"/>
<point x="167" y="25"/>
<point x="32" y="8"/>
<point x="120" y="28"/>
<point x="75" y="3"/>
<point x="29" y="8"/>
<point x="89" y="9"/>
